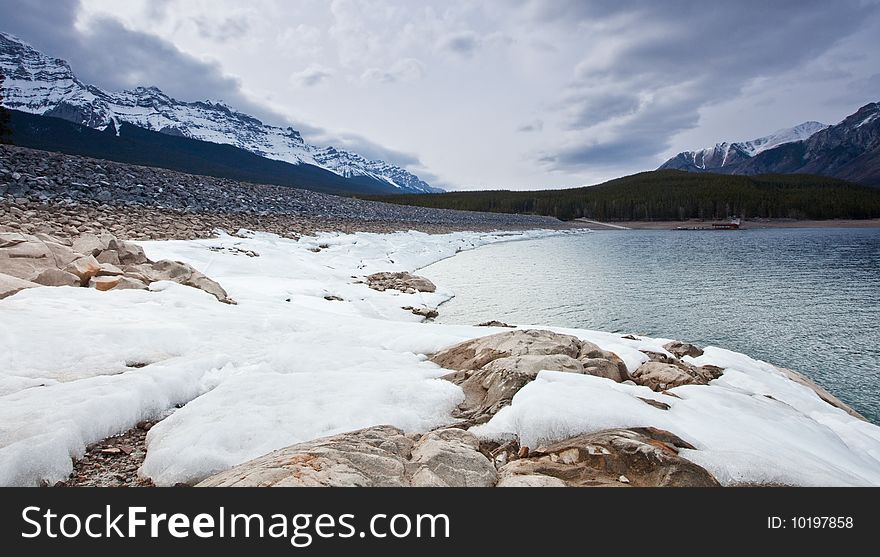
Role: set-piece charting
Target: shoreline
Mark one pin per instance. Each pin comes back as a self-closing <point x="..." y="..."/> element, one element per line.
<point x="214" y="361"/>
<point x="747" y="224"/>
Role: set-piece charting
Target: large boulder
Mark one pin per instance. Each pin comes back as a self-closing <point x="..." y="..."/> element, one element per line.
<point x="492" y="369"/>
<point x="176" y="271"/>
<point x="381" y="456"/>
<point x="85" y="268"/>
<point x="10" y="285"/>
<point x="451" y="458"/>
<point x="372" y="457"/>
<point x="403" y="281"/>
<point x="646" y="457"/>
<point x="659" y="377"/>
<point x="57" y="277"/>
<point x="476" y="353"/>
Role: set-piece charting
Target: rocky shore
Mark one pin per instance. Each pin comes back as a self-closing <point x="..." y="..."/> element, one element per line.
<point x="66" y="195"/>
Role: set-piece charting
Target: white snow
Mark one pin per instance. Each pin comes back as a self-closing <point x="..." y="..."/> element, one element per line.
<point x="43" y="83"/>
<point x="285" y="365"/>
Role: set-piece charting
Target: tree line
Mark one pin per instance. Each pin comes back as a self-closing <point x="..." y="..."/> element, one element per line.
<point x="674" y="195"/>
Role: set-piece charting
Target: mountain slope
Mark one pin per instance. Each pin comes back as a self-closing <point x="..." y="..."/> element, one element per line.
<point x="135" y="145"/>
<point x="47" y="86"/>
<point x="730" y="154"/>
<point x="849" y="150"/>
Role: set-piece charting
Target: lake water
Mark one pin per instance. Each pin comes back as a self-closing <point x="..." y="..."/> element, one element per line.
<point x="807" y="299"/>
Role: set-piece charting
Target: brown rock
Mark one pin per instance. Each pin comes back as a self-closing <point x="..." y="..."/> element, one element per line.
<point x="57" y="277"/>
<point x="10" y="285"/>
<point x="402" y="281"/>
<point x="85" y="268"/>
<point x="659" y="377"/>
<point x="646" y="457"/>
<point x="682" y="349"/>
<point x="104" y="283"/>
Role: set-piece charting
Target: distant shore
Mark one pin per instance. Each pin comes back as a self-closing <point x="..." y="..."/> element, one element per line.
<point x="747" y="224"/>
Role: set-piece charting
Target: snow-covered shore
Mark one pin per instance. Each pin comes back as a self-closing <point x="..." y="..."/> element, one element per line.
<point x="287" y="365"/>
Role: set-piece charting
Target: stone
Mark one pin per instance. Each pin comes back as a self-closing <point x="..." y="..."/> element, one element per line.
<point x="426" y="312"/>
<point x="495" y="323"/>
<point x="85" y="268"/>
<point x="601" y="367"/>
<point x="530" y="480"/>
<point x="110" y="257"/>
<point x="659" y="376"/>
<point x="89" y="244"/>
<point x="451" y="458"/>
<point x="646" y="457"/>
<point x="474" y="354"/>
<point x="104" y="283"/>
<point x="402" y="281"/>
<point x="10" y="285"/>
<point x="372" y="457"/>
<point x="57" y="277"/>
<point x="682" y="349"/>
<point x="127" y="252"/>
<point x="110" y="270"/>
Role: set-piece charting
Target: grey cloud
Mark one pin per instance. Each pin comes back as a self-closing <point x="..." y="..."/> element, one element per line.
<point x="408" y="69"/>
<point x="533" y="126"/>
<point x="697" y="56"/>
<point x="311" y="76"/>
<point x="110" y="56"/>
<point x="461" y="43"/>
<point x="222" y="31"/>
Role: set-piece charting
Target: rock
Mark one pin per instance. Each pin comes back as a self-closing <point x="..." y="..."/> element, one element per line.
<point x="682" y="349"/>
<point x="372" y="457"/>
<point x="451" y="458"/>
<point x="474" y="354"/>
<point x="9" y="239"/>
<point x="402" y="281"/>
<point x="494" y="323"/>
<point x="109" y="257"/>
<point x="427" y="313"/>
<point x="659" y="377"/>
<point x="85" y="268"/>
<point x="10" y="285"/>
<point x="334" y="299"/>
<point x="178" y="272"/>
<point x="57" y="277"/>
<point x="601" y="367"/>
<point x="90" y="244"/>
<point x="110" y="270"/>
<point x="104" y="283"/>
<point x="530" y="480"/>
<point x="820" y="392"/>
<point x="381" y="456"/>
<point x="646" y="457"/>
<point x="655" y="403"/>
<point x="491" y="388"/>
<point x="492" y="369"/>
<point x="531" y="364"/>
<point x="127" y="253"/>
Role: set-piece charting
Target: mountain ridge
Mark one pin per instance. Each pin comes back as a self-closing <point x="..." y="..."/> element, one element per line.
<point x="39" y="84"/>
<point x="848" y="150"/>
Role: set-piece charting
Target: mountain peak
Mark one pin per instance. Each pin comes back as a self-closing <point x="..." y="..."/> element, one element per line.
<point x="46" y="86"/>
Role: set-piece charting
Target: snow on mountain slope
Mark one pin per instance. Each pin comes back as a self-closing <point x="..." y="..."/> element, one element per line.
<point x="39" y="84"/>
<point x="726" y="154"/>
<point x="781" y="137"/>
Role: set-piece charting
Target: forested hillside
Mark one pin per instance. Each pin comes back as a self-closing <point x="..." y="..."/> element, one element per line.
<point x="675" y="195"/>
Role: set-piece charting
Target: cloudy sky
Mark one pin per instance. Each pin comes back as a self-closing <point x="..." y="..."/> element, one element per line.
<point x="517" y="94"/>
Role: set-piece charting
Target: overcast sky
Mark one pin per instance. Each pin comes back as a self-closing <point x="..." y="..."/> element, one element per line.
<point x="518" y="94"/>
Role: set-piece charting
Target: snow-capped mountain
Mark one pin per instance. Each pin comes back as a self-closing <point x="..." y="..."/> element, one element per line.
<point x="849" y="150"/>
<point x="39" y="84"/>
<point x="729" y="154"/>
